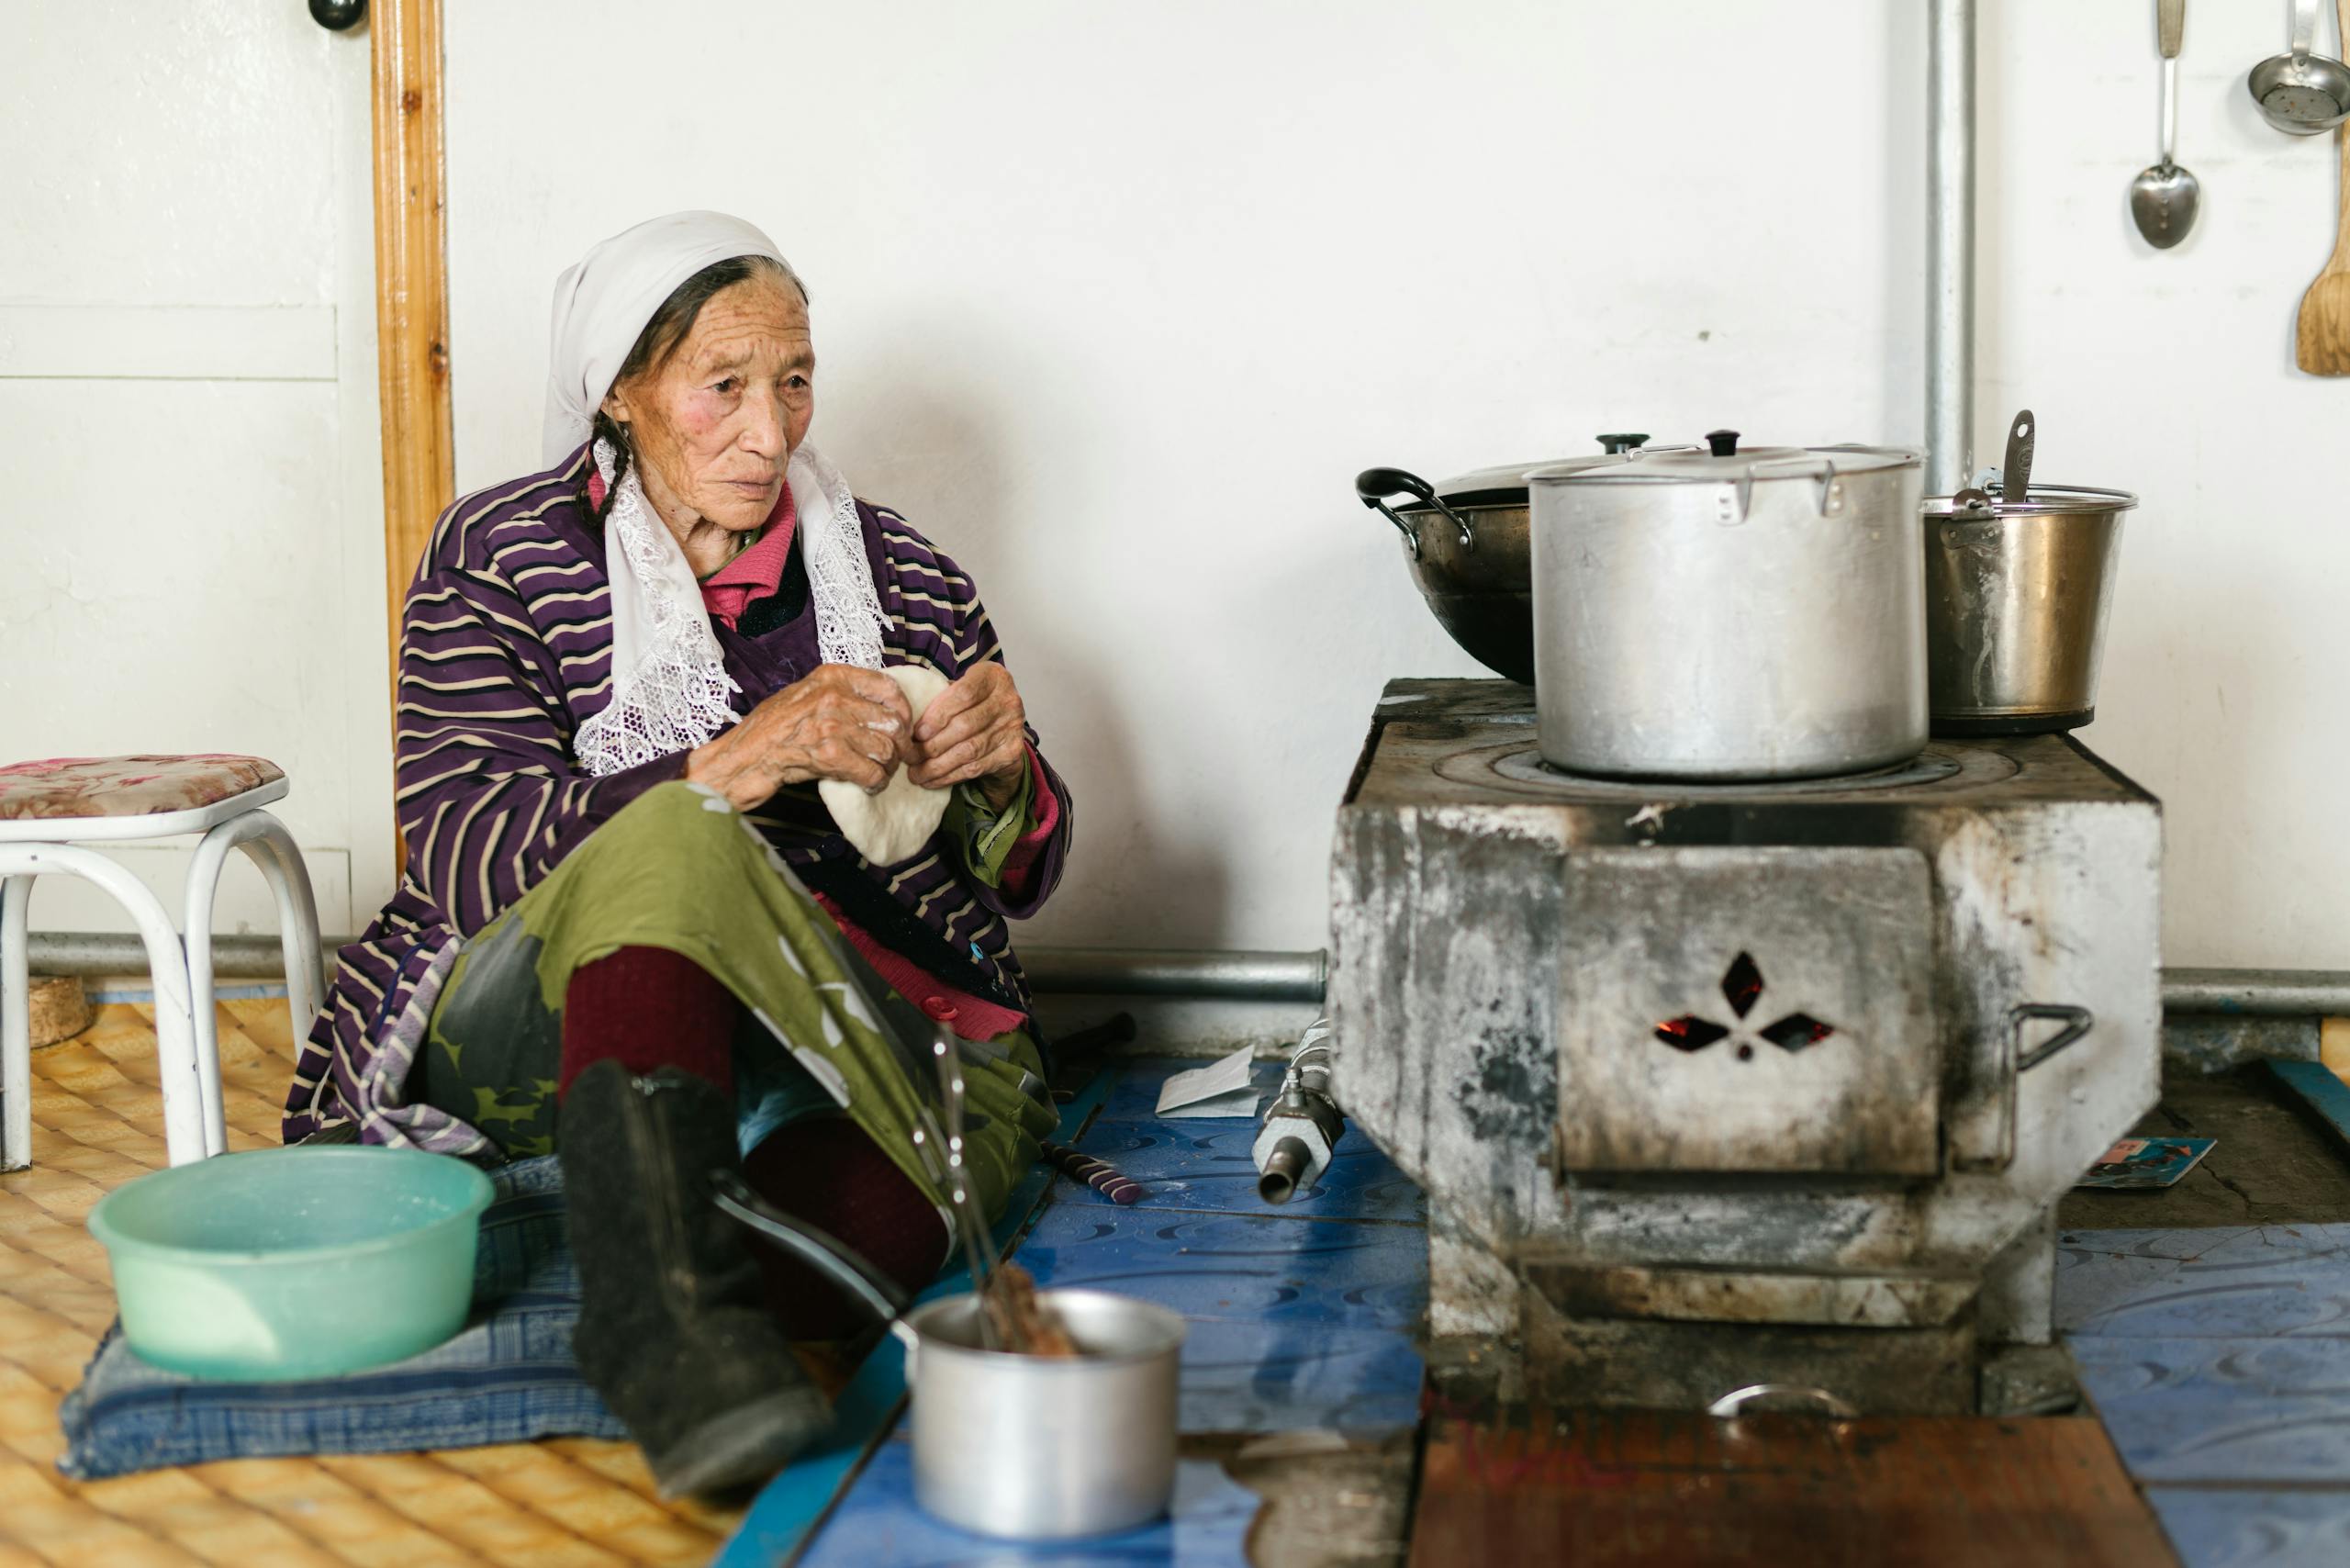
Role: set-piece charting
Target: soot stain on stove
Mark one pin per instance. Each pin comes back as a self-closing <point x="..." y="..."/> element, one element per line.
<point x="1512" y="1093"/>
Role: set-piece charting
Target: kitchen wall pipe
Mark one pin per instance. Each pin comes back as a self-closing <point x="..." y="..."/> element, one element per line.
<point x="1950" y="246"/>
<point x="2267" y="993"/>
<point x="1218" y="975"/>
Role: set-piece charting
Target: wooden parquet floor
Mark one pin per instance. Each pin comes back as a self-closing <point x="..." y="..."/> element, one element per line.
<point x="97" y="1122"/>
<point x="1641" y="1489"/>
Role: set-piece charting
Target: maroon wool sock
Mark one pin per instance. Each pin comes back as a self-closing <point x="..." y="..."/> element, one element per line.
<point x="831" y="1174"/>
<point x="648" y="1008"/>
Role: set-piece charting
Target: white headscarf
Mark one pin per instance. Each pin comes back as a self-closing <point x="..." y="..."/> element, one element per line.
<point x="669" y="681"/>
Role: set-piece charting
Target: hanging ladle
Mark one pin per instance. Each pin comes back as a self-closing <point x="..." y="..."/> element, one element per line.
<point x="2164" y="198"/>
<point x="2302" y="93"/>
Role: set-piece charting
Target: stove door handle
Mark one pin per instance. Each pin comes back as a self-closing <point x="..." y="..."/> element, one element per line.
<point x="2013" y="1063"/>
<point x="2078" y="1022"/>
<point x="1729" y="1405"/>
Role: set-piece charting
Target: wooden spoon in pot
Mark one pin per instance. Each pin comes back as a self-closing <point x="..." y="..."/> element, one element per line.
<point x="2322" y="342"/>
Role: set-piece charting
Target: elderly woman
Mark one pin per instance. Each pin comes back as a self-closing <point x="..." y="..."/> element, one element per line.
<point x="631" y="931"/>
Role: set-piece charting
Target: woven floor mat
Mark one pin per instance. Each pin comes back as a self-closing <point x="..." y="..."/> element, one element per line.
<point x="97" y="1122"/>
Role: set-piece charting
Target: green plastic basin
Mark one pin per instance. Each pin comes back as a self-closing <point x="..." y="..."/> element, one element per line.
<point x="289" y="1264"/>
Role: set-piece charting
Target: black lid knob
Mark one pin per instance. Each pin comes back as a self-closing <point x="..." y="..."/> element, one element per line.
<point x="1724" y="442"/>
<point x="1614" y="444"/>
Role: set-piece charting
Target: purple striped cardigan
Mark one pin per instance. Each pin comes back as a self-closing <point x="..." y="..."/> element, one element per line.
<point x="505" y="652"/>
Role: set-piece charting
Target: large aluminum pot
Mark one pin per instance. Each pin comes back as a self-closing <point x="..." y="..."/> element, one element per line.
<point x="1731" y="615"/>
<point x="1037" y="1448"/>
<point x="1465" y="541"/>
<point x="2017" y="596"/>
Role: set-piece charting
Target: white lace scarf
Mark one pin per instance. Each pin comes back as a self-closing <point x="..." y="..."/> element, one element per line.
<point x="670" y="687"/>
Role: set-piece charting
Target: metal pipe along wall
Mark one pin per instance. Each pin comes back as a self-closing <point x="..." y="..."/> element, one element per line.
<point x="1218" y="975"/>
<point x="1950" y="247"/>
<point x="1226" y="975"/>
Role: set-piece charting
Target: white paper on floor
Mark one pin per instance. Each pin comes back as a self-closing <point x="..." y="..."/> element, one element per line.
<point x="1220" y="1089"/>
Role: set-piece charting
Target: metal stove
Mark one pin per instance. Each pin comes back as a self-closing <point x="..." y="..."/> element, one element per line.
<point x="1712" y="1086"/>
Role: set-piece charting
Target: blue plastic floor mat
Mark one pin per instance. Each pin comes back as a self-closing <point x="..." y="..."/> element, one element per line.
<point x="1237" y="1268"/>
<point x="2254" y="1529"/>
<point x="2219" y="1360"/>
<point x="2257" y="1280"/>
<point x="879" y="1523"/>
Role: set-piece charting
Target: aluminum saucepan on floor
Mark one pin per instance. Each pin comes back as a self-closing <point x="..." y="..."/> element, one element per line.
<point x="1465" y="541"/>
<point x="1025" y="1447"/>
<point x="2018" y="584"/>
<point x="1730" y="614"/>
<point x="1037" y="1448"/>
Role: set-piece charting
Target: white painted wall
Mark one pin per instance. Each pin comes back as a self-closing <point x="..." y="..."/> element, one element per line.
<point x="191" y="551"/>
<point x="2171" y="374"/>
<point x="1115" y="300"/>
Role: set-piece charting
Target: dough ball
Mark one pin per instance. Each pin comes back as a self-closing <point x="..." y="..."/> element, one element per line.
<point x="892" y="826"/>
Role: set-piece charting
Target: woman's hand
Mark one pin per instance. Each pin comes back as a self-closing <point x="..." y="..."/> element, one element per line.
<point x="976" y="729"/>
<point x="840" y="722"/>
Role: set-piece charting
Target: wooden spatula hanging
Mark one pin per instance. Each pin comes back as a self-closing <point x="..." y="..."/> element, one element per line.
<point x="2322" y="342"/>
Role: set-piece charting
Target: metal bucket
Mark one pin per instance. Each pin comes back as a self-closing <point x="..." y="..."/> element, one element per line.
<point x="1037" y="1448"/>
<point x="2017" y="596"/>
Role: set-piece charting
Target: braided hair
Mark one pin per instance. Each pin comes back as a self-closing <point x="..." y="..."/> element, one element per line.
<point x="660" y="338"/>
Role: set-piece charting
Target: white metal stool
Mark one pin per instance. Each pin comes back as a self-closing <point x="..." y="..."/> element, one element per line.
<point x="48" y="811"/>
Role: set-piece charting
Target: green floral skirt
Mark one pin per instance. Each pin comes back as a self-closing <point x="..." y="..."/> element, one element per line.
<point x="679" y="868"/>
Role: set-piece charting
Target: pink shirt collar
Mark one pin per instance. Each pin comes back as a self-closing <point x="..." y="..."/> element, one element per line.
<point x="755" y="574"/>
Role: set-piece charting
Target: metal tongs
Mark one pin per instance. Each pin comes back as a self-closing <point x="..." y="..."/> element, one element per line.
<point x="999" y="1330"/>
<point x="938" y="1146"/>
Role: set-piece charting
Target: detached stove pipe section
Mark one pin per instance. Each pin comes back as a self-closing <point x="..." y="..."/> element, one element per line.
<point x="1950" y="247"/>
<point x="1303" y="1124"/>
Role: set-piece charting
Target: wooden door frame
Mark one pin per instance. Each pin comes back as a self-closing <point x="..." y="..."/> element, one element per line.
<point x="411" y="289"/>
<point x="411" y="296"/>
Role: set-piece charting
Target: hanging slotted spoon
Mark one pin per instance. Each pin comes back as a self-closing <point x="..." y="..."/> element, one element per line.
<point x="2164" y="198"/>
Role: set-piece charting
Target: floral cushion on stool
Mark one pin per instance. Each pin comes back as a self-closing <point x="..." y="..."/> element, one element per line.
<point x="126" y="786"/>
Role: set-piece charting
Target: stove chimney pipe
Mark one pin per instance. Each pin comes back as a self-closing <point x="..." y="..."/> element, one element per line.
<point x="1950" y="247"/>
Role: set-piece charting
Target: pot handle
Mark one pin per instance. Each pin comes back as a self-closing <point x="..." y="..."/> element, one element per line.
<point x="1375" y="485"/>
<point x="1810" y="466"/>
<point x="833" y="1259"/>
<point x="2078" y="1022"/>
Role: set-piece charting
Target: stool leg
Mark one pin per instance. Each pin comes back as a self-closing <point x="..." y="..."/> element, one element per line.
<point x="270" y="847"/>
<point x="16" y="1026"/>
<point x="203" y="883"/>
<point x="174" y="1025"/>
<point x="297" y="917"/>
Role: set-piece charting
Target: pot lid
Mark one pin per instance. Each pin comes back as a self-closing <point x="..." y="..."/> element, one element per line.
<point x="2037" y="501"/>
<point x="1504" y="485"/>
<point x="1723" y="459"/>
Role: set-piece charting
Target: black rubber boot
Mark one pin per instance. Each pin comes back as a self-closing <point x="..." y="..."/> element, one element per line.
<point x="672" y="1330"/>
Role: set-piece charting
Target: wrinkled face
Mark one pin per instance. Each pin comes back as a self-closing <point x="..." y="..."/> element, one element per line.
<point x="714" y="424"/>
